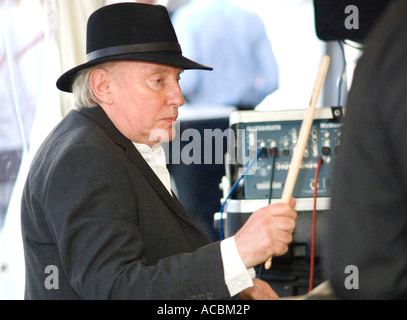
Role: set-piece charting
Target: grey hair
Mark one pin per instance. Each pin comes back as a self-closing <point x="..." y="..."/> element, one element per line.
<point x="81" y="88"/>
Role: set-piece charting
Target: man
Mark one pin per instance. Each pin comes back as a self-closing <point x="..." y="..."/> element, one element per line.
<point x="367" y="242"/>
<point x="99" y="219"/>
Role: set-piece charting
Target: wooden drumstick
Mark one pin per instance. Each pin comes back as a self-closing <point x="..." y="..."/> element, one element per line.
<point x="303" y="138"/>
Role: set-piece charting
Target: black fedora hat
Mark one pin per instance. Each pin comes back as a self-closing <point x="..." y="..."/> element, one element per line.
<point x="130" y="31"/>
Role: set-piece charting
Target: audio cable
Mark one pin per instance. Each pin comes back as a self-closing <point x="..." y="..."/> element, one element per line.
<point x="252" y="162"/>
<point x="314" y="222"/>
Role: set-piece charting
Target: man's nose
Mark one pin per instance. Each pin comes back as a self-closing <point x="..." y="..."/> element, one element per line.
<point x="175" y="97"/>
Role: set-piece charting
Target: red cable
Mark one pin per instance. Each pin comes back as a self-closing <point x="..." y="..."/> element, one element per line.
<point x="314" y="224"/>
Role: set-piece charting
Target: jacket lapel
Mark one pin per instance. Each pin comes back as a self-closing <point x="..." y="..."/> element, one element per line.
<point x="172" y="201"/>
<point x="100" y="118"/>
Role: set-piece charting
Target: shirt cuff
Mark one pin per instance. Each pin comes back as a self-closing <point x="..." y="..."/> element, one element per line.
<point x="237" y="276"/>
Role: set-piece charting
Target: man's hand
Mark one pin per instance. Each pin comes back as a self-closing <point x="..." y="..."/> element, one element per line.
<point x="260" y="291"/>
<point x="267" y="233"/>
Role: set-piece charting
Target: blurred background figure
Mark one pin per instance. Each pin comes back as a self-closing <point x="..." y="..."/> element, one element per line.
<point x="174" y="5"/>
<point x="21" y="57"/>
<point x="234" y="42"/>
<point x="29" y="65"/>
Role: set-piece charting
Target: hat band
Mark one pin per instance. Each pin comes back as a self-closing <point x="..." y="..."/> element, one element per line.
<point x="133" y="48"/>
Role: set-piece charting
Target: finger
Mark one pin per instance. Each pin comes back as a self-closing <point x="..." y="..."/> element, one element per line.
<point x="260" y="291"/>
<point x="280" y="248"/>
<point x="282" y="209"/>
<point x="265" y="288"/>
<point x="284" y="237"/>
<point x="261" y="295"/>
<point x="283" y="224"/>
<point x="266" y="291"/>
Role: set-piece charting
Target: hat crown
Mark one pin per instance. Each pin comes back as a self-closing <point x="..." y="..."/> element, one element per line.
<point x="130" y="32"/>
<point x="128" y="24"/>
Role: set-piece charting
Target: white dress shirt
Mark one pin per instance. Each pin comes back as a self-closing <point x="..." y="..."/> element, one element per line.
<point x="237" y="276"/>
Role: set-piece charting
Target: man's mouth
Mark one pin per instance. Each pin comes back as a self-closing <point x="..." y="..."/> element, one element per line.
<point x="171" y="119"/>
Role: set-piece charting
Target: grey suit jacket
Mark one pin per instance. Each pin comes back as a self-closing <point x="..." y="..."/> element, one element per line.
<point x="97" y="223"/>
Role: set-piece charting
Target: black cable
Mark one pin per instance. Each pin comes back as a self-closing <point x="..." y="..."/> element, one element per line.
<point x="221" y="233"/>
<point x="273" y="166"/>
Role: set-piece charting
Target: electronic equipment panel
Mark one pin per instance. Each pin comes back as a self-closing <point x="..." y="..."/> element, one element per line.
<point x="276" y="133"/>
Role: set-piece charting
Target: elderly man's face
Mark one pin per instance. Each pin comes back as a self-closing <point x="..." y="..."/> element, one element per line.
<point x="146" y="98"/>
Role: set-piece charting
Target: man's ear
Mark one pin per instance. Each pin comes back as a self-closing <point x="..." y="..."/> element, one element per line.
<point x="100" y="81"/>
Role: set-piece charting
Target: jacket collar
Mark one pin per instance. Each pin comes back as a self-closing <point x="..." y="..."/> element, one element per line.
<point x="97" y="115"/>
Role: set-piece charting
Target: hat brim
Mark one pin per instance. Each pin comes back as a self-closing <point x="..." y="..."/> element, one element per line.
<point x="173" y="59"/>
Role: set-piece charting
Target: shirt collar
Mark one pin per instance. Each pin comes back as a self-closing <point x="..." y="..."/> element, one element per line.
<point x="156" y="159"/>
<point x="154" y="156"/>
